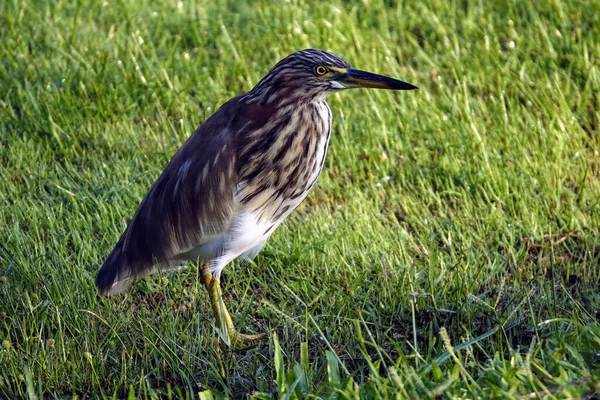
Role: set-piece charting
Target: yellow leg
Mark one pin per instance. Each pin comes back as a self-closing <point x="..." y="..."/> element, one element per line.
<point x="223" y="319"/>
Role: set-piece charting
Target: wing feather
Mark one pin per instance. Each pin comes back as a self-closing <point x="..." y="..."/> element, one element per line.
<point x="191" y="201"/>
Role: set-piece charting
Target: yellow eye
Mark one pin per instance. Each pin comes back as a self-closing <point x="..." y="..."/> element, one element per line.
<point x="320" y="70"/>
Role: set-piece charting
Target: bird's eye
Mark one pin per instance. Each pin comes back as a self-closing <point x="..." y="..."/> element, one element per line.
<point x="320" y="70"/>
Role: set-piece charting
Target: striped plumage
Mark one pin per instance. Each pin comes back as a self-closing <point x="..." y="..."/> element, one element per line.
<point x="240" y="174"/>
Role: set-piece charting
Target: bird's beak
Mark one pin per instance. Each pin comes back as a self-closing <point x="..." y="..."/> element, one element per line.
<point x="351" y="78"/>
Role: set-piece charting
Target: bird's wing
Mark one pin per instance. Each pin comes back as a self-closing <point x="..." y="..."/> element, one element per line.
<point x="191" y="202"/>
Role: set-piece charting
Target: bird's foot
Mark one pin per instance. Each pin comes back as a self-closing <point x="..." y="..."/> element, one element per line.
<point x="233" y="341"/>
<point x="235" y="338"/>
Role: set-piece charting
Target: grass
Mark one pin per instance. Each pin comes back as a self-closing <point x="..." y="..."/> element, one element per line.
<point x="451" y="247"/>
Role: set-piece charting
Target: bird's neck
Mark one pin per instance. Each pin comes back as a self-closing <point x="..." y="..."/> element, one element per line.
<point x="288" y="94"/>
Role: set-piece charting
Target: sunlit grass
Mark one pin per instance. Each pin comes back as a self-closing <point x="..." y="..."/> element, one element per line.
<point x="450" y="247"/>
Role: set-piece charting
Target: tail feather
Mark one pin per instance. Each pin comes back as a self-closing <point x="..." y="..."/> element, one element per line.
<point x="113" y="276"/>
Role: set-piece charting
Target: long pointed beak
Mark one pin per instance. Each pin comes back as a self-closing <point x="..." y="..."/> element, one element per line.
<point x="356" y="78"/>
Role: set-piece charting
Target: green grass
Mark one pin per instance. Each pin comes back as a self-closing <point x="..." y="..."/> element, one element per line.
<point x="451" y="246"/>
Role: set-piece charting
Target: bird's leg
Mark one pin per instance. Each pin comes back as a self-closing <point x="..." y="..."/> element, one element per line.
<point x="224" y="321"/>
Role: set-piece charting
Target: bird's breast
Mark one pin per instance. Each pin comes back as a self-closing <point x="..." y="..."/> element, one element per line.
<point x="284" y="161"/>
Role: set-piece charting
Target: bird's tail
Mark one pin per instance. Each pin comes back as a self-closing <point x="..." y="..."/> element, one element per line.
<point x="117" y="274"/>
<point x="114" y="276"/>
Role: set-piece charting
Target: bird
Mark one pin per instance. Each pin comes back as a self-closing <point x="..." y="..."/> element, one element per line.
<point x="237" y="178"/>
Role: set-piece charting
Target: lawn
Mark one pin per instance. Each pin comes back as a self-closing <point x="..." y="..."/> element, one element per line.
<point x="450" y="248"/>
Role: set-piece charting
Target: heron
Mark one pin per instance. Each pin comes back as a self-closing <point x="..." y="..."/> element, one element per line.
<point x="237" y="178"/>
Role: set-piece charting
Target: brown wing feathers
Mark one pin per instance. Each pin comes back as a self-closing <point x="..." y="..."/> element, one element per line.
<point x="191" y="200"/>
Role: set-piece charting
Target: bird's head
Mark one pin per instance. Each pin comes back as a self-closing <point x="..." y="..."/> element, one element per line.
<point x="314" y="73"/>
